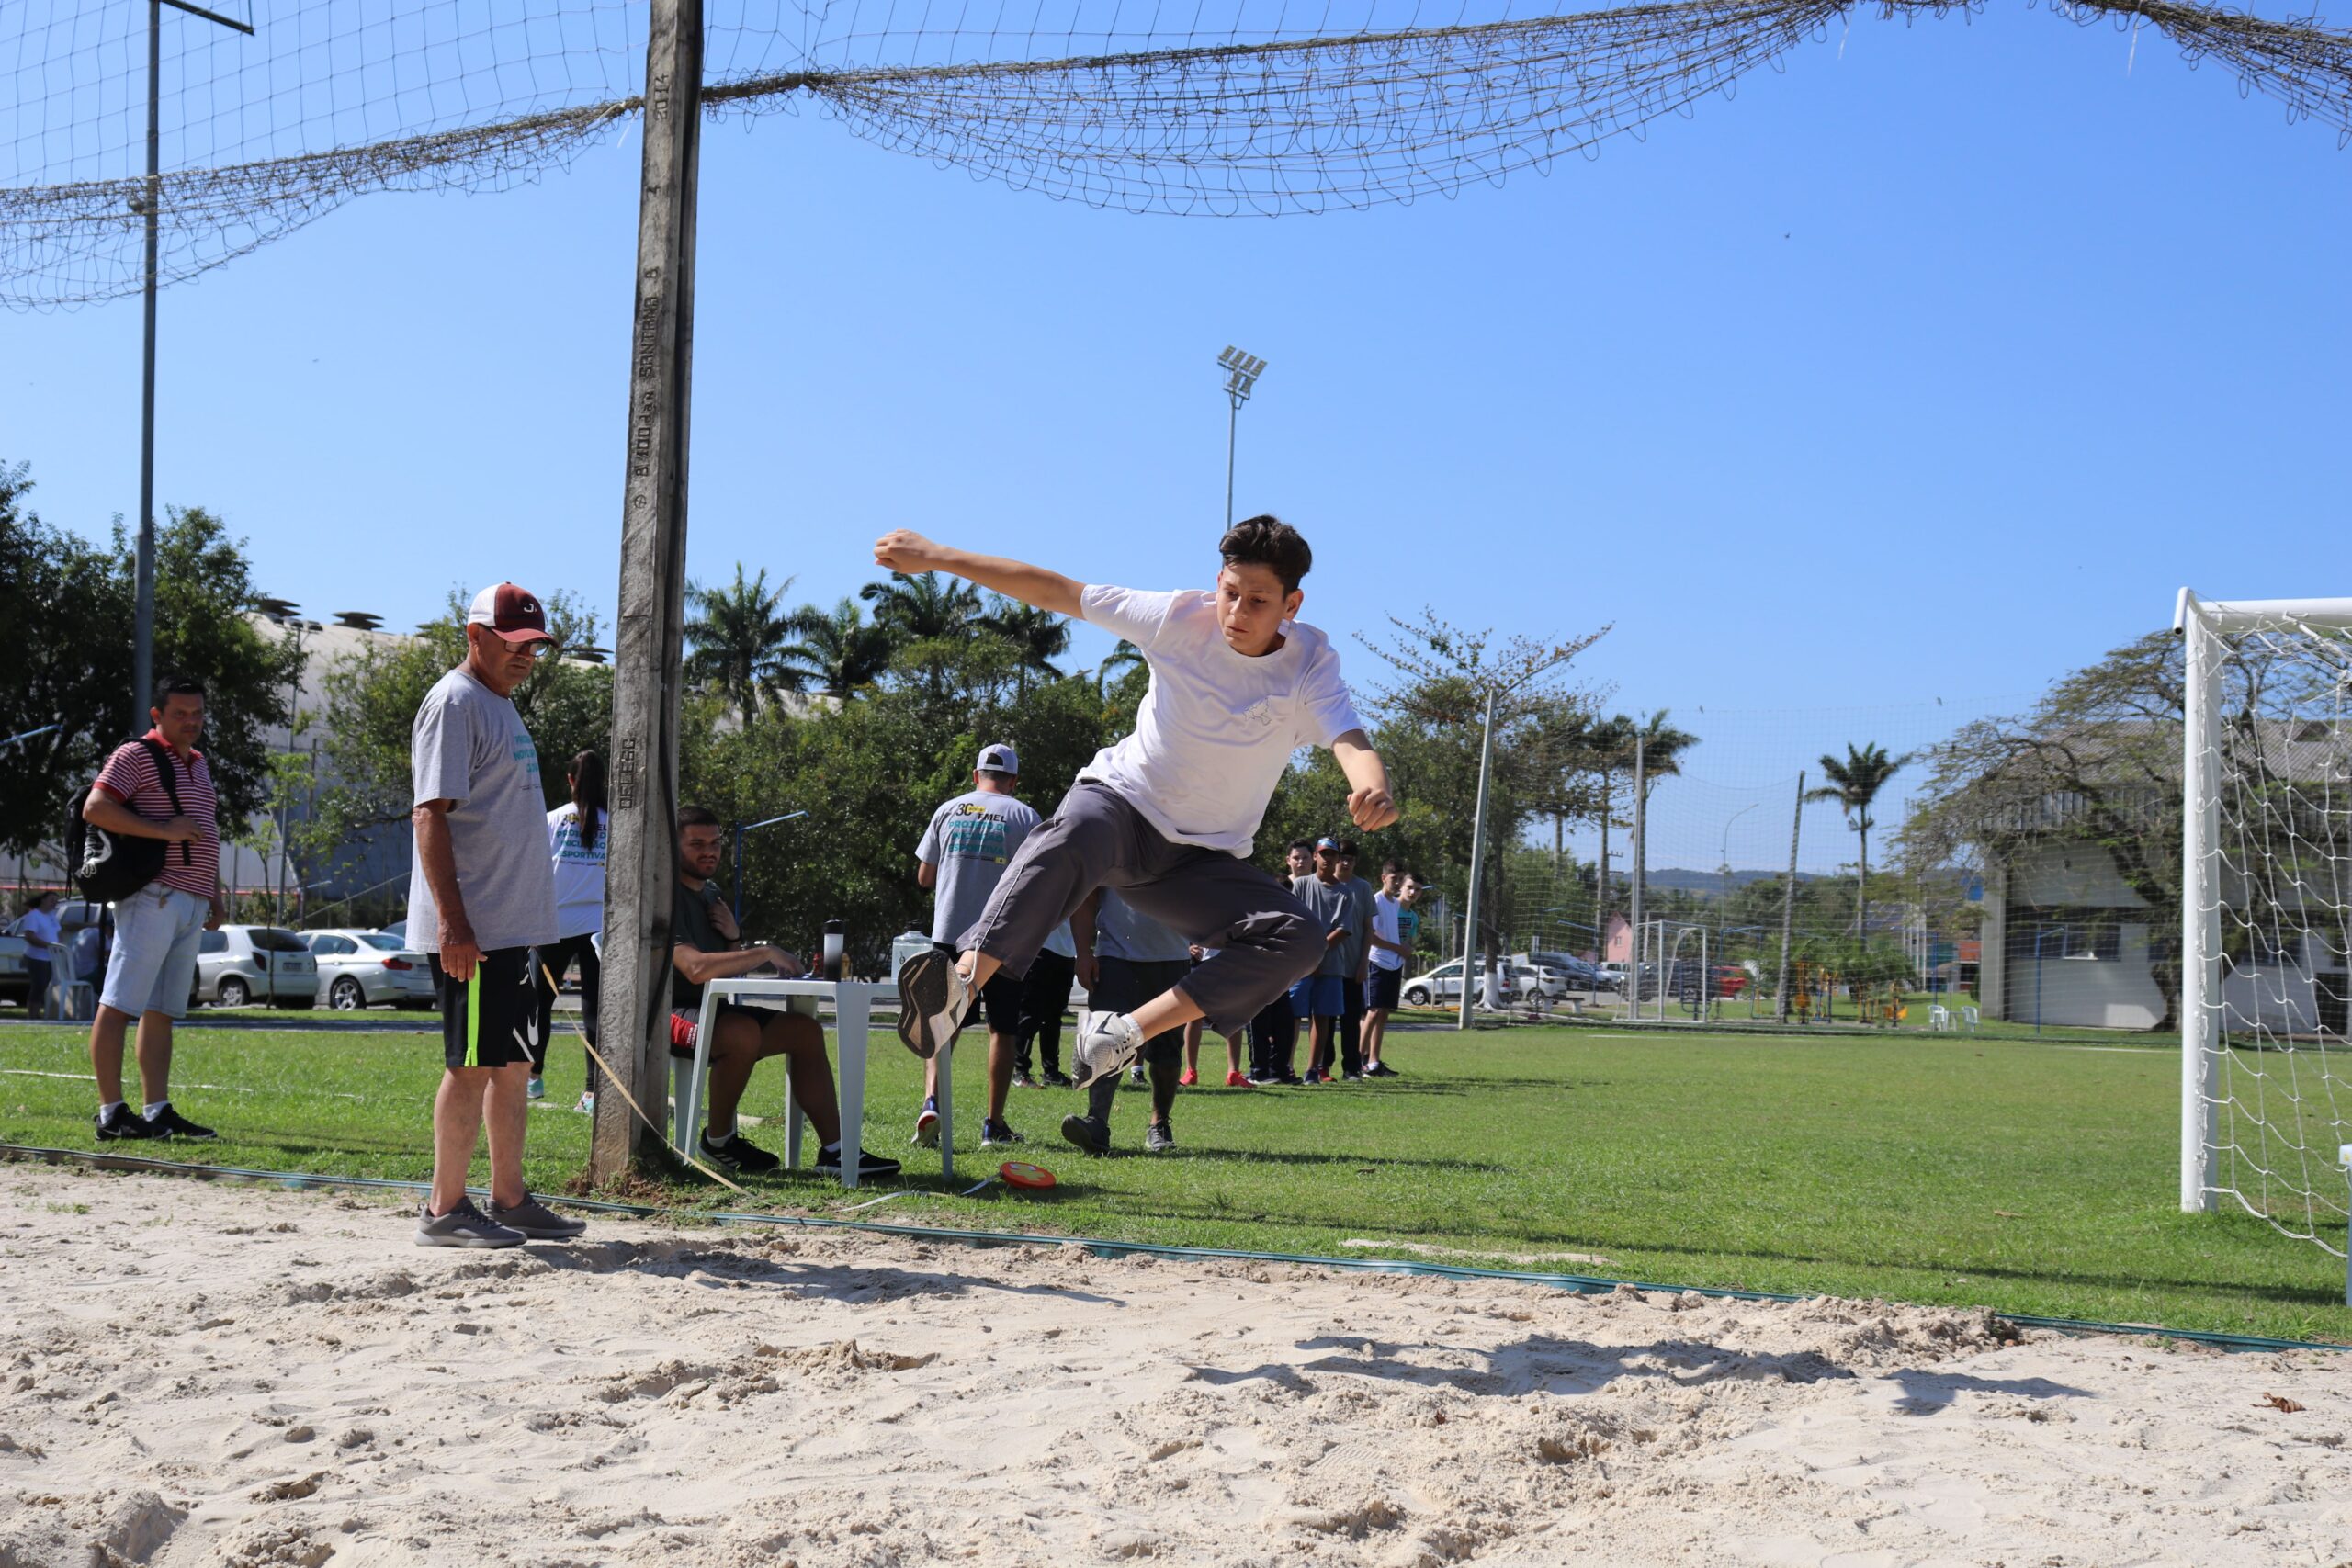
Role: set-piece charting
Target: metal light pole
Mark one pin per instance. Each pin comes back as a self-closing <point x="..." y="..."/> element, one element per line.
<point x="741" y="829"/>
<point x="1241" y="373"/>
<point x="143" y="640"/>
<point x="1477" y="864"/>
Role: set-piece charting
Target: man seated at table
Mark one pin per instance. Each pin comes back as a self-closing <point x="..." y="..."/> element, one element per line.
<point x="705" y="945"/>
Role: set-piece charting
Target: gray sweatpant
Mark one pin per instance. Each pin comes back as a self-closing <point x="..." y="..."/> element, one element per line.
<point x="1265" y="938"/>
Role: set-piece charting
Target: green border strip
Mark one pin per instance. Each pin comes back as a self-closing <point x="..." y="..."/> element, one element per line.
<point x="1582" y="1284"/>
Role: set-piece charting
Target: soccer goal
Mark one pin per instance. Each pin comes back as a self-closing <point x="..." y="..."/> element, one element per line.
<point x="2266" y="911"/>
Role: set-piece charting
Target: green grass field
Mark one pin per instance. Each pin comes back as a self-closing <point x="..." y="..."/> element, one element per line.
<point x="2033" y="1178"/>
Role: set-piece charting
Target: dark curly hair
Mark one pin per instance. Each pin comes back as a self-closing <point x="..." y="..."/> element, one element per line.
<point x="1268" y="541"/>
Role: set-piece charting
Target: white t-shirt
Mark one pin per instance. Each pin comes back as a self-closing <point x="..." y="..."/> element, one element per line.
<point x="1384" y="926"/>
<point x="1216" y="728"/>
<point x="579" y="871"/>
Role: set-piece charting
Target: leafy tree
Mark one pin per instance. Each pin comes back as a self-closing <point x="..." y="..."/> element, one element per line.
<point x="1853" y="784"/>
<point x="372" y="696"/>
<point x="738" y="635"/>
<point x="72" y="604"/>
<point x="1040" y="636"/>
<point x="836" y="653"/>
<point x="929" y="618"/>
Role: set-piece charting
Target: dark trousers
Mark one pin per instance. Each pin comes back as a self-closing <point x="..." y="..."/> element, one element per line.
<point x="1122" y="985"/>
<point x="1274" y="1040"/>
<point x="1350" y="1030"/>
<point x="548" y="966"/>
<point x="1045" y="994"/>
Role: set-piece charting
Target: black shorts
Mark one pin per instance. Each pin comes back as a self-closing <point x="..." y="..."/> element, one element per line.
<point x="1386" y="986"/>
<point x="492" y="1020"/>
<point x="1000" y="998"/>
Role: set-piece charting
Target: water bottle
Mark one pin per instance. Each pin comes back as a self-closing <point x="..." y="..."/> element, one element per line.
<point x="835" y="967"/>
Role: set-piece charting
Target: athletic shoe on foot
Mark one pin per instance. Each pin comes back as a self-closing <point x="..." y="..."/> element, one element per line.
<point x="464" y="1226"/>
<point x="535" y="1220"/>
<point x="169" y="1124"/>
<point x="869" y="1165"/>
<point x="1235" y="1081"/>
<point x="1023" y="1080"/>
<point x="1158" y="1138"/>
<point x="1189" y="1079"/>
<point x="927" y="1125"/>
<point x="122" y="1123"/>
<point x="738" y="1158"/>
<point x="1106" y="1042"/>
<point x="932" y="998"/>
<point x="1314" y="1077"/>
<point x="993" y="1132"/>
<point x="1135" y="1074"/>
<point x="1057" y="1080"/>
<point x="587" y="1106"/>
<point x="1087" y="1133"/>
<point x="1288" y="1080"/>
<point x="536" y="1089"/>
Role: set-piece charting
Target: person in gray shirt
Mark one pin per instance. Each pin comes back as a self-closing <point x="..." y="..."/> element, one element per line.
<point x="1124" y="959"/>
<point x="1322" y="996"/>
<point x="1357" y="974"/>
<point x="480" y="896"/>
<point x="961" y="858"/>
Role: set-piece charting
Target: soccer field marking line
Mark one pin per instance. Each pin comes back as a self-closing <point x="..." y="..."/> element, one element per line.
<point x="2120" y="1050"/>
<point x="210" y="1087"/>
<point x="1427" y="1251"/>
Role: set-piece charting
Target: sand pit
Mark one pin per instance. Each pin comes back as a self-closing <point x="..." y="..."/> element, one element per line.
<point x="198" y="1373"/>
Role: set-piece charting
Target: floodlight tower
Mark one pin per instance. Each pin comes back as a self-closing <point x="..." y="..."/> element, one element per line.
<point x="1241" y="373"/>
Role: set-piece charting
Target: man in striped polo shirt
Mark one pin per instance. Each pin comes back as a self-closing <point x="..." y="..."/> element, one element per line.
<point x="156" y="929"/>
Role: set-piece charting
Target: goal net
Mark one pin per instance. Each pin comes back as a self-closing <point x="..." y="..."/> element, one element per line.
<point x="2267" y="912"/>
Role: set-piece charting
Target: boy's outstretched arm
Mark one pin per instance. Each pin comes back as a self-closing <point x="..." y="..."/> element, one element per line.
<point x="904" y="550"/>
<point x="1369" y="805"/>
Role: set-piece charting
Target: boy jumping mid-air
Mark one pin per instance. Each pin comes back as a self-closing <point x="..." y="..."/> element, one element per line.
<point x="1166" y="815"/>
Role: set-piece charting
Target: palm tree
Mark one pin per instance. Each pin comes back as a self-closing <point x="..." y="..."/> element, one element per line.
<point x="1611" y="745"/>
<point x="1040" y="636"/>
<point x="1125" y="657"/>
<point x="1854" y="784"/>
<point x="739" y="633"/>
<point x="924" y="616"/>
<point x="836" y="651"/>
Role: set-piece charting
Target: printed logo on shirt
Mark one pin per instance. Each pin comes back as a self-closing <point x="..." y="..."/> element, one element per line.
<point x="975" y="833"/>
<point x="527" y="755"/>
<point x="1259" y="715"/>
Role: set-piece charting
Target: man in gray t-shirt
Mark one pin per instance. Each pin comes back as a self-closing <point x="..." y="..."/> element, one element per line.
<point x="481" y="895"/>
<point x="1321" y="997"/>
<point x="961" y="858"/>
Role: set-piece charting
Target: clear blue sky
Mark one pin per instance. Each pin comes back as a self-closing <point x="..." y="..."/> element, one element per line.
<point x="1928" y="371"/>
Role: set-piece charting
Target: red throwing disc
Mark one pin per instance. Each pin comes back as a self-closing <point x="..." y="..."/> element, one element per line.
<point x="1021" y="1174"/>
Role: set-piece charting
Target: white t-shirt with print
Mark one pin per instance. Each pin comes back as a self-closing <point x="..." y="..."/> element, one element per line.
<point x="579" y="871"/>
<point x="1384" y="925"/>
<point x="1216" y="728"/>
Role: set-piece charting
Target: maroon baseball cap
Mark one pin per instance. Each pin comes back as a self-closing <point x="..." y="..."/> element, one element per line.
<point x="513" y="613"/>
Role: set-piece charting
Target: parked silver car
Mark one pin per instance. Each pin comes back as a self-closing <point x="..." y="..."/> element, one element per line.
<point x="238" y="965"/>
<point x="1444" y="984"/>
<point x="364" y="969"/>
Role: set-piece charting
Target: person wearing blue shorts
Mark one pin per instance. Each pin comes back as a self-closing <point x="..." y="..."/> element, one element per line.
<point x="1321" y="997"/>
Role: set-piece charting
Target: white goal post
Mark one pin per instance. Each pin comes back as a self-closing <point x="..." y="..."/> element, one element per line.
<point x="2267" y="910"/>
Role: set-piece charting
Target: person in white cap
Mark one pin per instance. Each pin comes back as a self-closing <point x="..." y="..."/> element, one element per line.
<point x="481" y="895"/>
<point x="961" y="858"/>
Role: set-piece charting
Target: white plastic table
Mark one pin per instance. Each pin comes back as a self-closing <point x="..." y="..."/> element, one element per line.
<point x="853" y="1009"/>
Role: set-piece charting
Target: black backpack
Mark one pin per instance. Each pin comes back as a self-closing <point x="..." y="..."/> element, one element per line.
<point x="107" y="866"/>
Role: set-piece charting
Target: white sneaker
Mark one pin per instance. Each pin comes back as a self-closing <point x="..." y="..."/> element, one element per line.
<point x="1106" y="1042"/>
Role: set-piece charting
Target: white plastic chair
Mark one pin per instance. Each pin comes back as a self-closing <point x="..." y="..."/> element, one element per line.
<point x="1940" y="1018"/>
<point x="1968" y="1016"/>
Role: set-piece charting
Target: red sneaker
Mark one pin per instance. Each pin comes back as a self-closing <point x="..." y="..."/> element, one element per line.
<point x="1235" y="1081"/>
<point x="1189" y="1079"/>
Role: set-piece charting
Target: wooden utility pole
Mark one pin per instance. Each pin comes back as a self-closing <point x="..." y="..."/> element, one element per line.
<point x="641" y="856"/>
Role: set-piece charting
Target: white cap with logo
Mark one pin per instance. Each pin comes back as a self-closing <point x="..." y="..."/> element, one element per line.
<point x="999" y="759"/>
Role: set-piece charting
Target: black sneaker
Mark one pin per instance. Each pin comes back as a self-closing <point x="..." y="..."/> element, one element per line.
<point x="169" y="1124"/>
<point x="1158" y="1138"/>
<point x="1087" y="1135"/>
<point x="737" y="1157"/>
<point x="869" y="1165"/>
<point x="993" y="1133"/>
<point x="1057" y="1080"/>
<point x="125" y="1123"/>
<point x="1023" y="1080"/>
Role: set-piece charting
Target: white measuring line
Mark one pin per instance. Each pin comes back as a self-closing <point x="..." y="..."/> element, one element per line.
<point x="215" y="1087"/>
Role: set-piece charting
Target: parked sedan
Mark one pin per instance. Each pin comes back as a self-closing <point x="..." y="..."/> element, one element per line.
<point x="363" y="968"/>
<point x="1444" y="984"/>
<point x="238" y="965"/>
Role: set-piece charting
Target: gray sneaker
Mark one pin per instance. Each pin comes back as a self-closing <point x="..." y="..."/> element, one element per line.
<point x="1158" y="1138"/>
<point x="464" y="1226"/>
<point x="1087" y="1133"/>
<point x="536" y="1220"/>
<point x="932" y="1000"/>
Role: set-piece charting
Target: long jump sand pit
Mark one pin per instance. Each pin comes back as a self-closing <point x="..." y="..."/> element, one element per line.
<point x="200" y="1373"/>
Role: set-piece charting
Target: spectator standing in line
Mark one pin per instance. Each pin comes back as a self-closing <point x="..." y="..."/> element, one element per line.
<point x="38" y="926"/>
<point x="480" y="896"/>
<point x="157" y="927"/>
<point x="962" y="856"/>
<point x="706" y="945"/>
<point x="1319" y="997"/>
<point x="1045" y="997"/>
<point x="1274" y="1033"/>
<point x="576" y="832"/>
<point x="1133" y="959"/>
<point x="1233" y="1078"/>
<point x="1356" y="979"/>
<point x="1388" y="968"/>
<point x="1409" y="916"/>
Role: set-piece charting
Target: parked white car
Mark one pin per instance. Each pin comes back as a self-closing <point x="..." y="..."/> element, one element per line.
<point x="363" y="969"/>
<point x="1529" y="978"/>
<point x="16" y="980"/>
<point x="240" y="965"/>
<point x="1444" y="984"/>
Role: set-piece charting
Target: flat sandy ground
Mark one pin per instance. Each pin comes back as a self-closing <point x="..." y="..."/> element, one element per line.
<point x="198" y="1373"/>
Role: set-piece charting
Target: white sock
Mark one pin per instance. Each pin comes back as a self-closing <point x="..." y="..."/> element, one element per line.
<point x="158" y="1109"/>
<point x="714" y="1136"/>
<point x="109" y="1108"/>
<point x="835" y="1147"/>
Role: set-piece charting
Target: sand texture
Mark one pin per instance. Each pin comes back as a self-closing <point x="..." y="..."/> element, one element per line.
<point x="201" y="1373"/>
